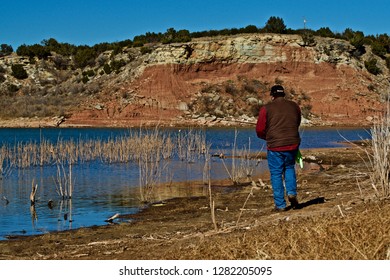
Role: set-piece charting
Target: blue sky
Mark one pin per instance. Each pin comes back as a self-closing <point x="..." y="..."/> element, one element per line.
<point x="88" y="22"/>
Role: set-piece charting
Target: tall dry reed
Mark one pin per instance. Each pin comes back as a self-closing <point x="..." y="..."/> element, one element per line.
<point x="191" y="145"/>
<point x="154" y="151"/>
<point x="379" y="156"/>
<point x="64" y="180"/>
<point x="150" y="154"/>
<point x="242" y="165"/>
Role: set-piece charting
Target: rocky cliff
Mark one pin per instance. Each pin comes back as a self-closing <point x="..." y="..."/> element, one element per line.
<point x="212" y="81"/>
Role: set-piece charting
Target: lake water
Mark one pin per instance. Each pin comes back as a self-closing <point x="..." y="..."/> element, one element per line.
<point x="101" y="189"/>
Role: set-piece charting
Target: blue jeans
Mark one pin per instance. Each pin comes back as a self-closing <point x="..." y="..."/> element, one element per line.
<point x="282" y="168"/>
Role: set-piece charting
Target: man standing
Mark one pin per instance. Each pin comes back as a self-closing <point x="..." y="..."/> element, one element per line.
<point x="278" y="124"/>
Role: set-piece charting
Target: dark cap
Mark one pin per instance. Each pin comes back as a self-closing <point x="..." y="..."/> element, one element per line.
<point x="277" y="90"/>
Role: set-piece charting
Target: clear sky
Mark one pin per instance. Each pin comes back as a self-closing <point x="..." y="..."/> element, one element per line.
<point x="88" y="22"/>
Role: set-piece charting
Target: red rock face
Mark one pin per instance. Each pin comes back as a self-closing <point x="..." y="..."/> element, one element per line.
<point x="334" y="87"/>
<point x="336" y="95"/>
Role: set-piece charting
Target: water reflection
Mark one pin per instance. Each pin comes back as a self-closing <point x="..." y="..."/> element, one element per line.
<point x="65" y="219"/>
<point x="34" y="216"/>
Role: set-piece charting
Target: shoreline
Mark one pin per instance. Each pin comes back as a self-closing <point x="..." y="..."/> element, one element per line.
<point x="60" y="122"/>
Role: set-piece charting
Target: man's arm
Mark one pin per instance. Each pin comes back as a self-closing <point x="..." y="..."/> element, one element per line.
<point x="261" y="125"/>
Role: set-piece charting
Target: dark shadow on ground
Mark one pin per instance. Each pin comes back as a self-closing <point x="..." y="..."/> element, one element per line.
<point x="317" y="200"/>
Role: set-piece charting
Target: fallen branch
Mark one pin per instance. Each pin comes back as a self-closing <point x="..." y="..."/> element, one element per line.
<point x="254" y="186"/>
<point x="112" y="218"/>
<point x="341" y="212"/>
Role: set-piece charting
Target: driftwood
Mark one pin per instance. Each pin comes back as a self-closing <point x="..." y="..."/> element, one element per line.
<point x="50" y="204"/>
<point x="33" y="192"/>
<point x="111" y="219"/>
<point x="5" y="199"/>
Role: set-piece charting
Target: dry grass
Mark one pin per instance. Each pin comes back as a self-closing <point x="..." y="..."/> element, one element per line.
<point x="379" y="156"/>
<point x="37" y="105"/>
<point x="356" y="236"/>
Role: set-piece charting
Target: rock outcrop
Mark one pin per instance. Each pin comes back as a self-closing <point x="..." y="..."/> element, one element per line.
<point x="224" y="80"/>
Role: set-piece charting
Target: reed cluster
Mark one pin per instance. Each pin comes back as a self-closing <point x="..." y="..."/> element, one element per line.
<point x="151" y="150"/>
<point x="242" y="164"/>
<point x="186" y="145"/>
<point x="154" y="151"/>
<point x="379" y="156"/>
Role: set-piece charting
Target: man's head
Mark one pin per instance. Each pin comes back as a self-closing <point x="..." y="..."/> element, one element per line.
<point x="277" y="91"/>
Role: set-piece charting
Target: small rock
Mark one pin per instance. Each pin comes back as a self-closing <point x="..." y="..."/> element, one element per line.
<point x="310" y="157"/>
<point x="99" y="107"/>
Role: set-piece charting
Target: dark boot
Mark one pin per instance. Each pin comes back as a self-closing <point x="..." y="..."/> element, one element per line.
<point x="294" y="201"/>
<point x="279" y="209"/>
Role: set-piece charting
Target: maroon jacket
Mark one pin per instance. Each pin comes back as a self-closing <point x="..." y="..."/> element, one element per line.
<point x="278" y="124"/>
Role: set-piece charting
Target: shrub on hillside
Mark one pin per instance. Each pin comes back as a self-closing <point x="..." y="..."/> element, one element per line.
<point x="107" y="68"/>
<point x="378" y="49"/>
<point x="24" y="50"/>
<point x="275" y="25"/>
<point x="254" y="110"/>
<point x="36" y="50"/>
<point x="12" y="88"/>
<point x="173" y="36"/>
<point x="60" y="62"/>
<point x="145" y="50"/>
<point x="138" y="44"/>
<point x="372" y="67"/>
<point x="89" y="73"/>
<point x="5" y="49"/>
<point x="85" y="79"/>
<point x="85" y="57"/>
<point x="19" y="72"/>
<point x="254" y="86"/>
<point x="116" y="65"/>
<point x="231" y="89"/>
<point x="306" y="110"/>
<point x="325" y="32"/>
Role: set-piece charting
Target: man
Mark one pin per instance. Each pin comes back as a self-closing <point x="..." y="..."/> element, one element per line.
<point x="278" y="124"/>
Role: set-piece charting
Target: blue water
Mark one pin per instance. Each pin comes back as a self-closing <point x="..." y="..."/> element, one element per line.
<point x="102" y="190"/>
<point x="219" y="137"/>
